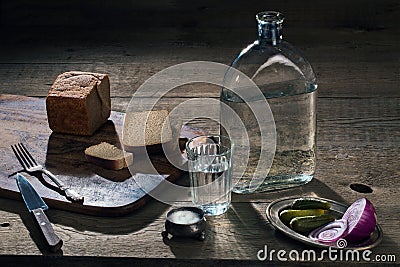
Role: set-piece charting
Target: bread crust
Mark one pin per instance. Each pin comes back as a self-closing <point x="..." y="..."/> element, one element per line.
<point x="109" y="164"/>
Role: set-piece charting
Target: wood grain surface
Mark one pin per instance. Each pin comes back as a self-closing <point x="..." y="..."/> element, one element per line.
<point x="352" y="45"/>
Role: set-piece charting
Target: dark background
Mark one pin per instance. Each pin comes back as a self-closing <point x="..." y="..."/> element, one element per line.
<point x="63" y="20"/>
<point x="134" y="14"/>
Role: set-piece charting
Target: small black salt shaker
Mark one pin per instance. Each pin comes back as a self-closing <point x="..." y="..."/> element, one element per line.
<point x="185" y="222"/>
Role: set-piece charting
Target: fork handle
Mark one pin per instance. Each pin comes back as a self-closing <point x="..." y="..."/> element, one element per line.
<point x="68" y="192"/>
<point x="73" y="196"/>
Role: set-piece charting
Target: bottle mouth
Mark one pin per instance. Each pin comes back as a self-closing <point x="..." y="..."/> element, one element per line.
<point x="270" y="17"/>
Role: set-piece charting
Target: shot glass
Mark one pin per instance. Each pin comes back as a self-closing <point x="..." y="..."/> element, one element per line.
<point x="210" y="172"/>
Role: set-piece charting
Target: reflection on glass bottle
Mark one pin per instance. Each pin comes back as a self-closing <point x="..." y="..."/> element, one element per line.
<point x="288" y="83"/>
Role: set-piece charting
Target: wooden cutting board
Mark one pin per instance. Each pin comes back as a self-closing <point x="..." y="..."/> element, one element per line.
<point x="106" y="192"/>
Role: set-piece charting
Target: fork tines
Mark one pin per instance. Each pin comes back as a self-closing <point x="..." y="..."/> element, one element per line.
<point x="23" y="155"/>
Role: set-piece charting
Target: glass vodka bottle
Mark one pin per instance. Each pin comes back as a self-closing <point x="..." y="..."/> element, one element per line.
<point x="288" y="83"/>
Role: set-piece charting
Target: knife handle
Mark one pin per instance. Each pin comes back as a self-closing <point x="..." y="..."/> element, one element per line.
<point x="52" y="239"/>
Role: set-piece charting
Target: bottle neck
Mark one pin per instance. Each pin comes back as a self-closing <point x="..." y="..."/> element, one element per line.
<point x="270" y="34"/>
<point x="270" y="27"/>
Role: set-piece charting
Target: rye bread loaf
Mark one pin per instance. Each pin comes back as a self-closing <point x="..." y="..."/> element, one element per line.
<point x="78" y="102"/>
<point x="150" y="129"/>
<point x="108" y="156"/>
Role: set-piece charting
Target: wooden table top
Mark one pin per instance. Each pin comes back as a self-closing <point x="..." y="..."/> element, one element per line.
<point x="355" y="54"/>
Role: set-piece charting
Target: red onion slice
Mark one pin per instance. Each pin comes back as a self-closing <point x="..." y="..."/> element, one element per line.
<point x="357" y="224"/>
<point x="361" y="220"/>
<point x="331" y="232"/>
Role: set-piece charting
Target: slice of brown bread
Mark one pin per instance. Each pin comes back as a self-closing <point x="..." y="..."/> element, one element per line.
<point x="148" y="129"/>
<point x="108" y="156"/>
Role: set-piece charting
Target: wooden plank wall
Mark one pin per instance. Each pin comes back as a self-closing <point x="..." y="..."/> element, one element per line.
<point x="353" y="45"/>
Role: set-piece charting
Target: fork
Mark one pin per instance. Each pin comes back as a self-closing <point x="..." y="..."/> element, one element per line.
<point x="30" y="165"/>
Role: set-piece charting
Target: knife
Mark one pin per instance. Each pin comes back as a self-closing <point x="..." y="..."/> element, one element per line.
<point x="37" y="206"/>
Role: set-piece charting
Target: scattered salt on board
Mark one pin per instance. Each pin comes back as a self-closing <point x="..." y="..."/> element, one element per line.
<point x="184" y="217"/>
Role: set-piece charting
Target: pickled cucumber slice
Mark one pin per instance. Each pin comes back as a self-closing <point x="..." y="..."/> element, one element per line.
<point x="287" y="215"/>
<point x="308" y="223"/>
<point x="310" y="203"/>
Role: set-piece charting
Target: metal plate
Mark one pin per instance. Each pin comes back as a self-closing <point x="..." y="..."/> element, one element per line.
<point x="337" y="209"/>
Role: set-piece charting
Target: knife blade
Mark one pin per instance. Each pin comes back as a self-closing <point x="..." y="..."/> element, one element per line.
<point x="36" y="207"/>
